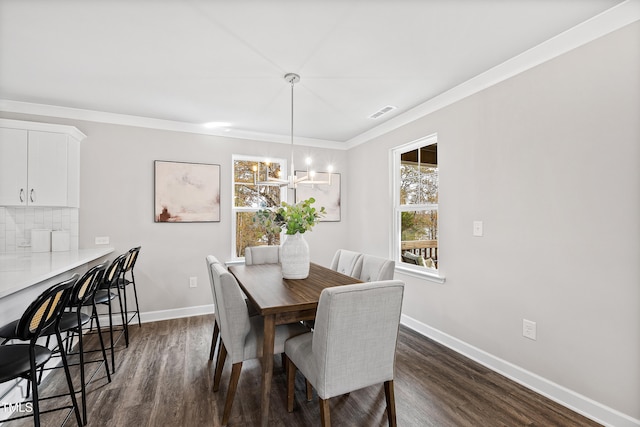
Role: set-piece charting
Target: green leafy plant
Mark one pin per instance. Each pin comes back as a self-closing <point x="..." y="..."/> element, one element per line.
<point x="293" y="219"/>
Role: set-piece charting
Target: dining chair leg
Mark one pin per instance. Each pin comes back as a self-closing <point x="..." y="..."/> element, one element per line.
<point x="222" y="356"/>
<point x="231" y="392"/>
<point x="325" y="418"/>
<point x="391" y="402"/>
<point x="214" y="339"/>
<point x="309" y="390"/>
<point x="291" y="379"/>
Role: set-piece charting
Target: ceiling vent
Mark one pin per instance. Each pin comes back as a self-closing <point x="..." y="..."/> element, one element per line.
<point x="382" y="111"/>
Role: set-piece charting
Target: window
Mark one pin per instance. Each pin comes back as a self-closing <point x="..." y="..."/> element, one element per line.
<point x="249" y="196"/>
<point x="415" y="199"/>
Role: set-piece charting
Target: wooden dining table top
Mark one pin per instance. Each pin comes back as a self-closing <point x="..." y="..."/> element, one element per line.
<point x="272" y="294"/>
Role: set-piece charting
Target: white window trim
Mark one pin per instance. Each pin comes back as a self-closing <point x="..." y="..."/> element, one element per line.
<point x="429" y="274"/>
<point x="234" y="209"/>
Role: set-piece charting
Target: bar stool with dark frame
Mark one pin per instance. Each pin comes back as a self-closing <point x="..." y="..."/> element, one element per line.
<point x="23" y="360"/>
<point x="71" y="322"/>
<point x="123" y="282"/>
<point x="105" y="296"/>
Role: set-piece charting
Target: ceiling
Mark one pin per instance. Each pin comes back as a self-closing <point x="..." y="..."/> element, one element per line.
<point x="224" y="61"/>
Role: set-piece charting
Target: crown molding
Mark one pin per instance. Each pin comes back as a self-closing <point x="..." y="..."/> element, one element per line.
<point x="11" y="106"/>
<point x="600" y="25"/>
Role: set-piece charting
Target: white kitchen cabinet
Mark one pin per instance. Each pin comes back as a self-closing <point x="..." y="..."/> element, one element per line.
<point x="39" y="164"/>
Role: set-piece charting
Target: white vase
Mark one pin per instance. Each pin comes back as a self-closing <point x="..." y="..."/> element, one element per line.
<point x="294" y="257"/>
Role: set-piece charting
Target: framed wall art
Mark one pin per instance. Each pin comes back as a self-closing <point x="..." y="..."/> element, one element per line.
<point x="327" y="195"/>
<point x="186" y="192"/>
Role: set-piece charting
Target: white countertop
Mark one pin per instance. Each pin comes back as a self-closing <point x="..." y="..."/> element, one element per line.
<point x="21" y="270"/>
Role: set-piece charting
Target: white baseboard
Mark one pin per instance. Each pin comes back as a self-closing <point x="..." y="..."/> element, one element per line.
<point x="176" y="313"/>
<point x="568" y="398"/>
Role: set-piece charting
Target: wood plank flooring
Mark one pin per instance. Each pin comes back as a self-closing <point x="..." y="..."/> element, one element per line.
<point x="164" y="378"/>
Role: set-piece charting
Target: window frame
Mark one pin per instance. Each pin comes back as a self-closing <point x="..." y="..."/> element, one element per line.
<point x="235" y="209"/>
<point x="395" y="153"/>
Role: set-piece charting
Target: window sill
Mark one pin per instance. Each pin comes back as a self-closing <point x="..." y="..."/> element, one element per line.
<point x="421" y="273"/>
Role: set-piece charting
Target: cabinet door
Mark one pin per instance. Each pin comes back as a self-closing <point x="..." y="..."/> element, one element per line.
<point x="47" y="173"/>
<point x="73" y="172"/>
<point x="13" y="167"/>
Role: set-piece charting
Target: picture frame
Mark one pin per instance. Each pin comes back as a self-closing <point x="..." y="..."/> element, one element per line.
<point x="186" y="192"/>
<point x="326" y="195"/>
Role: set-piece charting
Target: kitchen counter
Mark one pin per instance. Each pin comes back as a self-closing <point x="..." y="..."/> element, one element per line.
<point x="19" y="270"/>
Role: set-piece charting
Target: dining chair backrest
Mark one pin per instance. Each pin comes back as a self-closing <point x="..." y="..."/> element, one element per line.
<point x="45" y="310"/>
<point x="87" y="285"/>
<point x="355" y="336"/>
<point x="347" y="262"/>
<point x="376" y="268"/>
<point x="232" y="313"/>
<point x="211" y="261"/>
<point x="261" y="255"/>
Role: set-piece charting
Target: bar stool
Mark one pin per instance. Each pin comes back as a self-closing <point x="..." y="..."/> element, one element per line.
<point x="123" y="282"/>
<point x="23" y="360"/>
<point x="71" y="322"/>
<point x="105" y="296"/>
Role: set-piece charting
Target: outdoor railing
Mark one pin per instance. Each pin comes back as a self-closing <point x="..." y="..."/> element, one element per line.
<point x="424" y="248"/>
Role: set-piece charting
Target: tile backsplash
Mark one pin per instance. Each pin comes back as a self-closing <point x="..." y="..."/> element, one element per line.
<point x="16" y="224"/>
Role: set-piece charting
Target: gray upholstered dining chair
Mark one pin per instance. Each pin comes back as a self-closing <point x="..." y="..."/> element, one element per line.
<point x="376" y="268"/>
<point x="261" y="255"/>
<point x="352" y="346"/>
<point x="216" y="330"/>
<point x="347" y="262"/>
<point x="242" y="335"/>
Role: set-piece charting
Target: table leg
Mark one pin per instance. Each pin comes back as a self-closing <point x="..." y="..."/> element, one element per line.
<point x="267" y="365"/>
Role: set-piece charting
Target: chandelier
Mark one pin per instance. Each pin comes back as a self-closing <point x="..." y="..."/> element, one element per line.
<point x="292" y="181"/>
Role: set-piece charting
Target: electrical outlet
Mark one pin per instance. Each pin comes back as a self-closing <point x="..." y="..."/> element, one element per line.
<point x="102" y="240"/>
<point x="529" y="329"/>
<point x="193" y="282"/>
<point x="477" y="228"/>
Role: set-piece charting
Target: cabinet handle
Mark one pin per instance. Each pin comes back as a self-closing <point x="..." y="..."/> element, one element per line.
<point x="31" y="194"/>
<point x="22" y="195"/>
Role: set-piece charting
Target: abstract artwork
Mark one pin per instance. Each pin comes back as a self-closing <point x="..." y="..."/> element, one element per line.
<point x="326" y="195"/>
<point x="187" y="192"/>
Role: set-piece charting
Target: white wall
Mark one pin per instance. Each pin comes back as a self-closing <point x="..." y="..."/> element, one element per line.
<point x="550" y="161"/>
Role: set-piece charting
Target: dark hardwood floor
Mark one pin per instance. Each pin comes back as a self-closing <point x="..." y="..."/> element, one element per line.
<point x="164" y="378"/>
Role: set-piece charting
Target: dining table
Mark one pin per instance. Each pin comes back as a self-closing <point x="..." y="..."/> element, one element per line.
<point x="281" y="301"/>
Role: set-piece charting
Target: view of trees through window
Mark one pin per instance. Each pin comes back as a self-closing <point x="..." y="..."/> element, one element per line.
<point x="418" y="206"/>
<point x="250" y="196"/>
